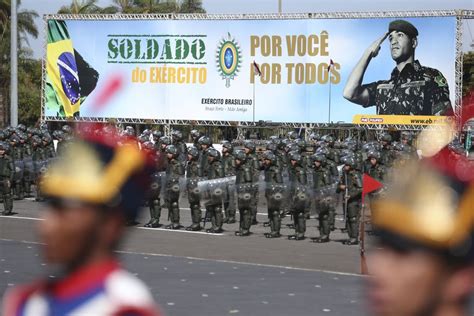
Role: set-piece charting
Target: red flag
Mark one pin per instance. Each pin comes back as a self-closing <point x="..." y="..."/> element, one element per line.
<point x="369" y="184"/>
<point x="331" y="63"/>
<point x="257" y="69"/>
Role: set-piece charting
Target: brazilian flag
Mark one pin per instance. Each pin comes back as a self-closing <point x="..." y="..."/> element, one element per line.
<point x="69" y="78"/>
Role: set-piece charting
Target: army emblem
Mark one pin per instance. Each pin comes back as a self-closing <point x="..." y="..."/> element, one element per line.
<point x="228" y="59"/>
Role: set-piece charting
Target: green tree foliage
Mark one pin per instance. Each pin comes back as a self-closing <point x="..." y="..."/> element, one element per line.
<point x="26" y="27"/>
<point x="81" y="7"/>
<point x="29" y="91"/>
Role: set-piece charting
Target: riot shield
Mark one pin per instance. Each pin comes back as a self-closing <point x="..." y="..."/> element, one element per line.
<point x="156" y="185"/>
<point x="173" y="188"/>
<point x="325" y="196"/>
<point x="244" y="196"/>
<point x="301" y="197"/>
<point x="214" y="191"/>
<point x="194" y="193"/>
<point x="29" y="171"/>
<point x="19" y="169"/>
<point x="275" y="193"/>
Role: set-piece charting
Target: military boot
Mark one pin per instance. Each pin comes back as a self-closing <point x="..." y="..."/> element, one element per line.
<point x="155" y="214"/>
<point x="245" y="222"/>
<point x="196" y="218"/>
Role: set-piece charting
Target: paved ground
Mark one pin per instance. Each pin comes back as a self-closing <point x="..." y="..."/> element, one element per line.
<point x="202" y="274"/>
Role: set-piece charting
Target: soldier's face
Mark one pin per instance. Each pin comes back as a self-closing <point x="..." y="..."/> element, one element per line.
<point x="190" y="157"/>
<point x="2" y="152"/>
<point x="267" y="162"/>
<point x="347" y="168"/>
<point x="317" y="164"/>
<point x="247" y="151"/>
<point x="405" y="283"/>
<point x="401" y="46"/>
<point x="169" y="156"/>
<point x="373" y="161"/>
<point x="293" y="162"/>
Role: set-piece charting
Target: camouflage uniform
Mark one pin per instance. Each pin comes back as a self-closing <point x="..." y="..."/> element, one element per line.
<point x="300" y="196"/>
<point x="416" y="90"/>
<point x="274" y="193"/>
<point x="229" y="170"/>
<point x="6" y="178"/>
<point x="323" y="202"/>
<point x="174" y="172"/>
<point x="214" y="207"/>
<point x="244" y="184"/>
<point x="193" y="174"/>
<point x="352" y="201"/>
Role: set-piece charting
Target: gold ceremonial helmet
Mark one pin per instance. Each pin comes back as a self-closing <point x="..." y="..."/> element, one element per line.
<point x="430" y="204"/>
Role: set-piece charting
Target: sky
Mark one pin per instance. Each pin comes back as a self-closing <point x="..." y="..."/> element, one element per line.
<point x="271" y="6"/>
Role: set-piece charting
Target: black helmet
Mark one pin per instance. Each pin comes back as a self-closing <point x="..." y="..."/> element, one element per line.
<point x="165" y="140"/>
<point x="212" y="152"/>
<point x="21" y="127"/>
<point x="296" y="156"/>
<point x="204" y="140"/>
<point x="14" y="139"/>
<point x="275" y="139"/>
<point x="66" y="129"/>
<point x="323" y="151"/>
<point x="195" y="134"/>
<point x="386" y="138"/>
<point x="193" y="152"/>
<point x="177" y="135"/>
<point x="129" y="131"/>
<point x="250" y="145"/>
<point x="300" y="143"/>
<point x="350" y="161"/>
<point x="156" y="135"/>
<point x="315" y="136"/>
<point x="171" y="149"/>
<point x="269" y="155"/>
<point x="373" y="154"/>
<point x="271" y="146"/>
<point x="292" y="135"/>
<point x="291" y="147"/>
<point x="228" y="145"/>
<point x="148" y="145"/>
<point x="240" y="155"/>
<point x="3" y="146"/>
<point x="319" y="157"/>
<point x="35" y="140"/>
<point x="327" y="139"/>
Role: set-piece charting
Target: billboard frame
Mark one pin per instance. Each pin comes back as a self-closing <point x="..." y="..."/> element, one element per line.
<point x="458" y="14"/>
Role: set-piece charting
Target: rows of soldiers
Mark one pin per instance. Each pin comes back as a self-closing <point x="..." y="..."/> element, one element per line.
<point x="24" y="156"/>
<point x="296" y="176"/>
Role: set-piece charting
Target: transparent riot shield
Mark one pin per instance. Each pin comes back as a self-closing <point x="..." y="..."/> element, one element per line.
<point x="275" y="194"/>
<point x="29" y="171"/>
<point x="214" y="191"/>
<point x="156" y="185"/>
<point x="19" y="170"/>
<point x="325" y="196"/>
<point x="244" y="195"/>
<point x="301" y="197"/>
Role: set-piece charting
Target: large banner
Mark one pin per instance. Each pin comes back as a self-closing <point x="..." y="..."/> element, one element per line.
<point x="303" y="70"/>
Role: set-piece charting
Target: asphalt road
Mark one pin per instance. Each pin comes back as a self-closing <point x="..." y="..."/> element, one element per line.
<point x="219" y="274"/>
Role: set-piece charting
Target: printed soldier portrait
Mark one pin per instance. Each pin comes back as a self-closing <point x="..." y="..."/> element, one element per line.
<point x="411" y="89"/>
